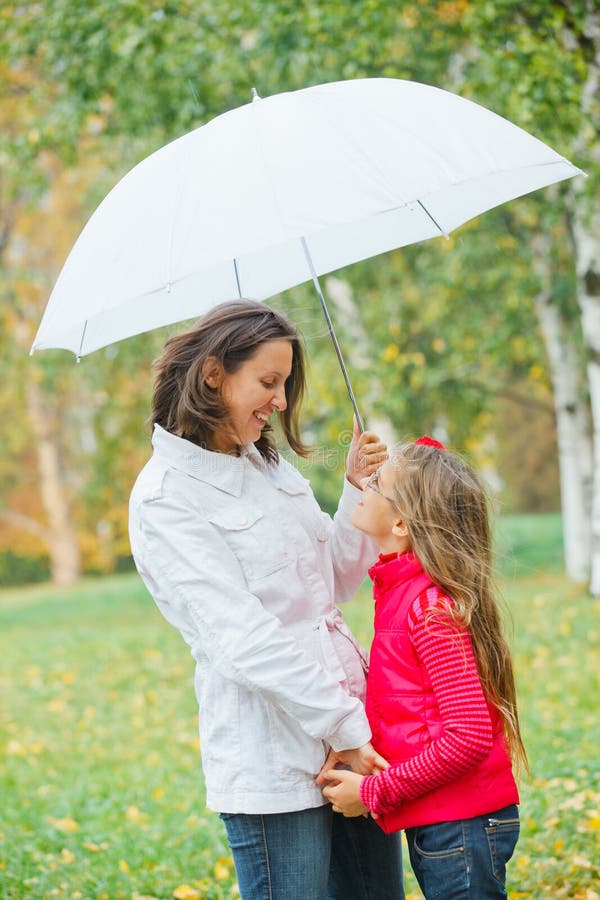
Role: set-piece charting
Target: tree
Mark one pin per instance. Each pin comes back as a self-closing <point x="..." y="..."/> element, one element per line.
<point x="48" y="405"/>
<point x="19" y="109"/>
<point x="446" y="326"/>
<point x="571" y="406"/>
<point x="533" y="60"/>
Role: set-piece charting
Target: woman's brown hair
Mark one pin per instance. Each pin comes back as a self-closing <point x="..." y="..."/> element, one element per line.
<point x="445" y="509"/>
<point x="231" y="333"/>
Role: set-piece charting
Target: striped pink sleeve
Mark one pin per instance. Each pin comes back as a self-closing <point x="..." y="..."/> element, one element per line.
<point x="446" y="656"/>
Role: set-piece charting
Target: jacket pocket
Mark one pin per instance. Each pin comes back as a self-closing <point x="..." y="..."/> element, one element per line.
<point x="402" y="720"/>
<point x="254" y="540"/>
<point x="298" y="491"/>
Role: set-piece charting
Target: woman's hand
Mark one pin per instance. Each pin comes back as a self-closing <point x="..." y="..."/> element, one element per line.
<point x="363" y="760"/>
<point x="365" y="455"/>
<point x="344" y="793"/>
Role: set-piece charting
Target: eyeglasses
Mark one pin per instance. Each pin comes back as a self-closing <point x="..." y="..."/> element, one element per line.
<point x="373" y="485"/>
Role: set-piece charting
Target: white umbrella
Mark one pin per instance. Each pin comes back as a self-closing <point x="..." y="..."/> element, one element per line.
<point x="282" y="190"/>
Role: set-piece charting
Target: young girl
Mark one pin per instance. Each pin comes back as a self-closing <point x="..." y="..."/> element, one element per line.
<point x="440" y="694"/>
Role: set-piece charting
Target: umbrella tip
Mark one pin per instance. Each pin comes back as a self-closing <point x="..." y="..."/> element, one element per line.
<point x="254" y="93"/>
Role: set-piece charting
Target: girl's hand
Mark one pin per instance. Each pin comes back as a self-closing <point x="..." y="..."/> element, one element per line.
<point x="333" y="759"/>
<point x="344" y="793"/>
<point x="363" y="760"/>
<point x="365" y="455"/>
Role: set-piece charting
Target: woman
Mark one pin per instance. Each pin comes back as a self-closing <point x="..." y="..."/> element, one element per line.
<point x="237" y="554"/>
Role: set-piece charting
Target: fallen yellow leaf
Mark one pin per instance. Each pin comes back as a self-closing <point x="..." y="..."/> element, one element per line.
<point x="67" y="826"/>
<point x="15" y="748"/>
<point x="153" y="759"/>
<point x="391" y="353"/>
<point x="221" y="872"/>
<point x="185" y="892"/>
<point x="124" y="865"/>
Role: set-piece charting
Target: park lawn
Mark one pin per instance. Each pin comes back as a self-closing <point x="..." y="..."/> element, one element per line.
<point x="101" y="786"/>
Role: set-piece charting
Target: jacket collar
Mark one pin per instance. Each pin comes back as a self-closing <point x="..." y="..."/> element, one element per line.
<point x="393" y="569"/>
<point x="221" y="470"/>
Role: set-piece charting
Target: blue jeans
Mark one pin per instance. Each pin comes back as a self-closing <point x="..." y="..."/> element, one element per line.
<point x="464" y="860"/>
<point x="314" y="854"/>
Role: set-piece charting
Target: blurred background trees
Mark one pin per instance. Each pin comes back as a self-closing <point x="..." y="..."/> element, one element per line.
<point x="490" y="340"/>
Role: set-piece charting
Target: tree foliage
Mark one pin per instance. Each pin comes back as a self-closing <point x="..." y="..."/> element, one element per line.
<point x="90" y="88"/>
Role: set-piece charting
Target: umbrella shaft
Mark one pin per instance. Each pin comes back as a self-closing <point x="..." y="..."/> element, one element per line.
<point x="237" y="277"/>
<point x="332" y="334"/>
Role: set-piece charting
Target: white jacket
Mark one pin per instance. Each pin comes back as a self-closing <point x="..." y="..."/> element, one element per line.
<point x="239" y="557"/>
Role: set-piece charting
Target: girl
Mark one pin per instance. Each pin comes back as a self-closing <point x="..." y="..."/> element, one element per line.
<point x="440" y="693"/>
<point x="232" y="545"/>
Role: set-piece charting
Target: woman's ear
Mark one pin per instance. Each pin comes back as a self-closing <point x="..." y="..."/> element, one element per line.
<point x="212" y="372"/>
<point x="399" y="529"/>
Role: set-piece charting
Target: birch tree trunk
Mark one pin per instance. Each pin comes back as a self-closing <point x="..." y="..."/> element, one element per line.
<point x="356" y="351"/>
<point x="61" y="538"/>
<point x="586" y="231"/>
<point x="58" y="532"/>
<point x="572" y="424"/>
<point x="586" y="237"/>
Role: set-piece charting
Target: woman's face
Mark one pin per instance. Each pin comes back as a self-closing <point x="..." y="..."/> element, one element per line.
<point x="253" y="393"/>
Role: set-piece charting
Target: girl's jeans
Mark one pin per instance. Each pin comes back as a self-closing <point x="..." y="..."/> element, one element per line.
<point x="314" y="854"/>
<point x="464" y="860"/>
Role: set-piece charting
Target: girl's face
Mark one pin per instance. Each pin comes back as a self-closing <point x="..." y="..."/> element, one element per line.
<point x="253" y="393"/>
<point x="376" y="515"/>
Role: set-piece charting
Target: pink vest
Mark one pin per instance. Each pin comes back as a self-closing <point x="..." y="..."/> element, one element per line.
<point x="404" y="715"/>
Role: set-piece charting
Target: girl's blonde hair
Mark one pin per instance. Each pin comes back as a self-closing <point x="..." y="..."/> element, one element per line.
<point x="445" y="509"/>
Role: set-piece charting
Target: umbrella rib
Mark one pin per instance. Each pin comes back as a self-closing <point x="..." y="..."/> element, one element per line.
<point x="332" y="333"/>
<point x="81" y="341"/>
<point x="437" y="224"/>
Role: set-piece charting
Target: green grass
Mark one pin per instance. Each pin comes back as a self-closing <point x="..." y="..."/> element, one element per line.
<point x="529" y="543"/>
<point x="102" y="794"/>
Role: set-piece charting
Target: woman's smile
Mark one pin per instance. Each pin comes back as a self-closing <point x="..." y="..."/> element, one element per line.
<point x="260" y="380"/>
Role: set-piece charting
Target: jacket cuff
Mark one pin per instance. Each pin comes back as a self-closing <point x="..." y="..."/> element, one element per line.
<point x="351" y="734"/>
<point x="349" y="498"/>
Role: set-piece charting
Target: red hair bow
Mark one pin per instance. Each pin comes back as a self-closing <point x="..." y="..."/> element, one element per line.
<point x="427" y="441"/>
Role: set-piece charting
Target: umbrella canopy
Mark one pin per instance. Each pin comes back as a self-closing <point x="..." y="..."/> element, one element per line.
<point x="239" y="207"/>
